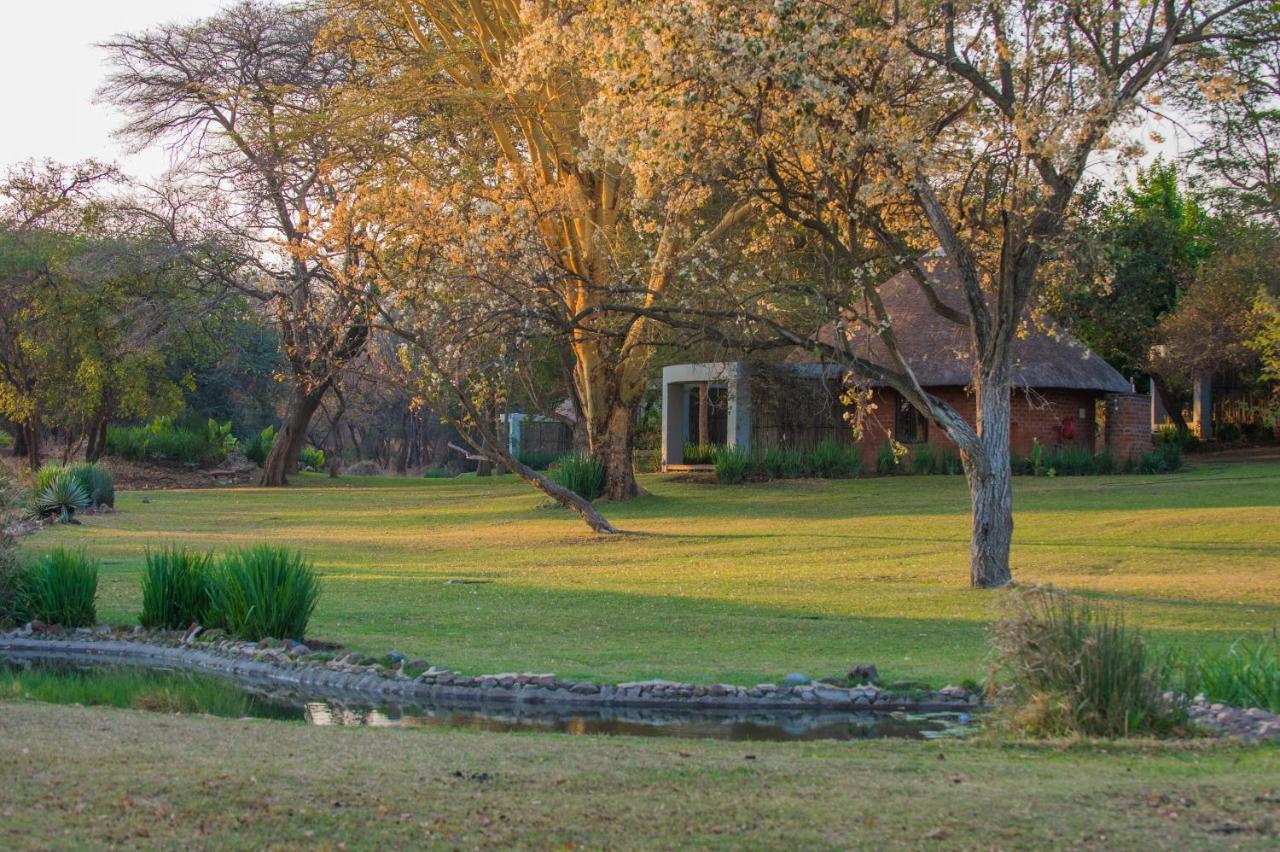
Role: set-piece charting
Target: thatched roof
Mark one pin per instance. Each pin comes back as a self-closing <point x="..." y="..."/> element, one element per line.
<point x="1045" y="354"/>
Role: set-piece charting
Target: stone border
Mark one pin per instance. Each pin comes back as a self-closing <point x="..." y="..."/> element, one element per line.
<point x="257" y="666"/>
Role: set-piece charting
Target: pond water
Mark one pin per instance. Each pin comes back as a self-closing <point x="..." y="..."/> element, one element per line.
<point x="177" y="692"/>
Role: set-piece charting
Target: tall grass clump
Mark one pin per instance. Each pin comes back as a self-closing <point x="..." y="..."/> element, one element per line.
<point x="581" y="474"/>
<point x="1243" y="676"/>
<point x="311" y="458"/>
<point x="60" y="588"/>
<point x="97" y="483"/>
<point x="1062" y="666"/>
<point x="263" y="592"/>
<point x="733" y="465"/>
<point x="700" y="453"/>
<point x="834" y="460"/>
<point x="176" y="588"/>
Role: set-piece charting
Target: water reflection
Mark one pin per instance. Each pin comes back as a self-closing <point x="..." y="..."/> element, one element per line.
<point x="773" y="726"/>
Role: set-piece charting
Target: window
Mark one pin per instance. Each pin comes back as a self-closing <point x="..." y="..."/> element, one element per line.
<point x="909" y="425"/>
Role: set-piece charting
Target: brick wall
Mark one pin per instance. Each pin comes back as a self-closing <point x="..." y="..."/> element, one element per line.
<point x="1035" y="415"/>
<point x="1126" y="421"/>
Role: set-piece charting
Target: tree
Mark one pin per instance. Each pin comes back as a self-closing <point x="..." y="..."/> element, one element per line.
<point x="1125" y="267"/>
<point x="1213" y="326"/>
<point x="246" y="97"/>
<point x="886" y="131"/>
<point x="89" y="300"/>
<point x="1233" y="95"/>
<point x="526" y="74"/>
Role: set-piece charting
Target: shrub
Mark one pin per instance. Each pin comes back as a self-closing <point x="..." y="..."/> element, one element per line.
<point x="1226" y="432"/>
<point x="368" y="467"/>
<point x="733" y="465"/>
<point x="10" y="563"/>
<point x="310" y="458"/>
<point x="537" y="461"/>
<point x="163" y="442"/>
<point x="1164" y="458"/>
<point x="581" y="474"/>
<point x="256" y="448"/>
<point x="1243" y="676"/>
<point x="951" y="464"/>
<point x="1064" y="666"/>
<point x="700" y="453"/>
<point x="924" y="459"/>
<point x="63" y="496"/>
<point x="263" y="592"/>
<point x="97" y="483"/>
<point x="1072" y="461"/>
<point x="59" y="588"/>
<point x="439" y="473"/>
<point x="175" y="588"/>
<point x="1178" y="435"/>
<point x="833" y="460"/>
<point x="886" y="459"/>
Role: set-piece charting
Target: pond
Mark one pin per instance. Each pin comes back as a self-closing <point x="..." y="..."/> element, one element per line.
<point x="175" y="692"/>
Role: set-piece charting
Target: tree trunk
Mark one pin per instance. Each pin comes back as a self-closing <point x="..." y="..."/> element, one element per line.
<point x="31" y="437"/>
<point x="613" y="446"/>
<point x="97" y="441"/>
<point x="282" y="460"/>
<point x="991" y="487"/>
<point x="1172" y="406"/>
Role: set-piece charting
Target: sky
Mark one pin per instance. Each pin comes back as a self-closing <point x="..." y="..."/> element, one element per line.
<point x="50" y="69"/>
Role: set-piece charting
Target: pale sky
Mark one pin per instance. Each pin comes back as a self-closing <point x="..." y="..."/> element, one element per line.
<point x="50" y="69"/>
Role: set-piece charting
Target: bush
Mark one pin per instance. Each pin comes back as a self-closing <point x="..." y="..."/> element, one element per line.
<point x="581" y="474"/>
<point x="733" y="465"/>
<point x="256" y="448"/>
<point x="368" y="467"/>
<point x="97" y="483"/>
<point x="163" y="442"/>
<point x="833" y="460"/>
<point x="1180" y="436"/>
<point x="1063" y="666"/>
<point x="59" y="588"/>
<point x="439" y="473"/>
<point x="1243" y="676"/>
<point x="1227" y="432"/>
<point x="1164" y="458"/>
<point x="310" y="458"/>
<point x="700" y="453"/>
<point x="536" y="461"/>
<point x="924" y="459"/>
<point x="10" y="563"/>
<point x="63" y="496"/>
<point x="886" y="459"/>
<point x="263" y="592"/>
<point x="176" y="588"/>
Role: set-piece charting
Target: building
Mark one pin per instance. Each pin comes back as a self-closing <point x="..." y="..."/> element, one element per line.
<point x="1064" y="394"/>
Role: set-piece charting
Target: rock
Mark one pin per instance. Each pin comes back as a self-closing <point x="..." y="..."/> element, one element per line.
<point x="831" y="695"/>
<point x="864" y="673"/>
<point x="721" y="689"/>
<point x="796" y="679"/>
<point x="584" y="688"/>
<point x="395" y="657"/>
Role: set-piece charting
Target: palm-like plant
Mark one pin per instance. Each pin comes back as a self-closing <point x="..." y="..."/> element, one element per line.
<point x="63" y="496"/>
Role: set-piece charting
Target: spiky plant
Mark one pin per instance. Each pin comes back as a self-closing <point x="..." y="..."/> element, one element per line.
<point x="63" y="496"/>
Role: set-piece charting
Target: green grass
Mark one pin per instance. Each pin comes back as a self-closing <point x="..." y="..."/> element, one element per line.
<point x="737" y="583"/>
<point x="163" y="692"/>
<point x="120" y="778"/>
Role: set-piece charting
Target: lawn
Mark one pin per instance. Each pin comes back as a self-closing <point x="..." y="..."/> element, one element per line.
<point x="202" y="782"/>
<point x="740" y="584"/>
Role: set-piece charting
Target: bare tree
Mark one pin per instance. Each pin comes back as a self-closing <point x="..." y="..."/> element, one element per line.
<point x="245" y="100"/>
